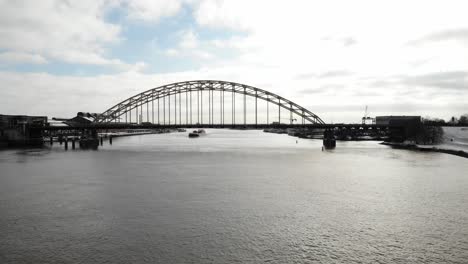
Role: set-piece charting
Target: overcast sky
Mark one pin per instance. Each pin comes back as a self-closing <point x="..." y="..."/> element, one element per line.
<point x="332" y="57"/>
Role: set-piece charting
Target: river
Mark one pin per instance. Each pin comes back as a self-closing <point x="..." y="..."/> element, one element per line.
<point x="232" y="197"/>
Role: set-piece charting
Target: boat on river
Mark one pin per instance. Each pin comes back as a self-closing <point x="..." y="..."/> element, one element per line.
<point x="197" y="133"/>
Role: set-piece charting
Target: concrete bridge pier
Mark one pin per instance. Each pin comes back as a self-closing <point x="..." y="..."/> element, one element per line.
<point x="329" y="139"/>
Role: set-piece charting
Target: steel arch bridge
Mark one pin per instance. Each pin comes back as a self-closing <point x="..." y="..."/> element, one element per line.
<point x="124" y="110"/>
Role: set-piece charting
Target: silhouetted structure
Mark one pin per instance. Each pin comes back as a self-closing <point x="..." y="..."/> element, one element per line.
<point x="21" y="130"/>
<point x="411" y="125"/>
<point x="82" y="118"/>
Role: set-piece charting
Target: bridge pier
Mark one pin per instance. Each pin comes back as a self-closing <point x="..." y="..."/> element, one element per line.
<point x="329" y="140"/>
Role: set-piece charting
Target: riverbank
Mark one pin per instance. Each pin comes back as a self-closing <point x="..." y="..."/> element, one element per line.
<point x="431" y="148"/>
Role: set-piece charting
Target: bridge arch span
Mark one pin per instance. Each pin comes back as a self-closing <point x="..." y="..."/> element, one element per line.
<point x="120" y="110"/>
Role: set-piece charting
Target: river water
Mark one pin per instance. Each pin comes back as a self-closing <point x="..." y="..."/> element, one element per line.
<point x="232" y="197"/>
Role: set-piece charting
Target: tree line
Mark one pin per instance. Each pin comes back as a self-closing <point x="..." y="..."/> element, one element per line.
<point x="462" y="120"/>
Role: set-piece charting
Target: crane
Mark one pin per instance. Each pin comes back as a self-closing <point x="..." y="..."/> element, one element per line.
<point x="367" y="117"/>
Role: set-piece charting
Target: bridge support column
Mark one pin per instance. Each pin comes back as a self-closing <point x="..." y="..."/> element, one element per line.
<point x="245" y="107"/>
<point x="180" y="108"/>
<point x="222" y="122"/>
<point x="268" y="110"/>
<point x="290" y="114"/>
<point x="191" y="123"/>
<point x="209" y="107"/>
<point x="329" y="140"/>
<point x="198" y="107"/>
<point x="212" y="106"/>
<point x="201" y="106"/>
<point x="256" y="99"/>
<point x="169" y="107"/>
<point x="233" y="106"/>
<point x="220" y="108"/>
<point x="279" y="111"/>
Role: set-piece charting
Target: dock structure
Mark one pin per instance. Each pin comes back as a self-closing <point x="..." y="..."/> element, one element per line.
<point x="21" y="130"/>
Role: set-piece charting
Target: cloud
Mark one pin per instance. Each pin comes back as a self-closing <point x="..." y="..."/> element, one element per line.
<point x="282" y="46"/>
<point x="22" y="58"/>
<point x="337" y="73"/>
<point x="457" y="34"/>
<point x="151" y="10"/>
<point x="189" y="46"/>
<point x="172" y="52"/>
<point x="325" y="75"/>
<point x="349" y="41"/>
<point x="305" y="76"/>
<point x="456" y="80"/>
<point x="333" y="101"/>
<point x="323" y="89"/>
<point x="72" y="31"/>
<point x="442" y="81"/>
<point x="188" y="40"/>
<point x="53" y="95"/>
<point x="224" y="14"/>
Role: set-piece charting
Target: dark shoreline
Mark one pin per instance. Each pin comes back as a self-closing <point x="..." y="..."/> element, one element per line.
<point x="414" y="147"/>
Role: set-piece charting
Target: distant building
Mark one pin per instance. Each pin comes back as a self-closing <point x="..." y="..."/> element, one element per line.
<point x="411" y="124"/>
<point x="398" y="120"/>
<point x="21" y="129"/>
<point x="367" y="120"/>
<point x="82" y="118"/>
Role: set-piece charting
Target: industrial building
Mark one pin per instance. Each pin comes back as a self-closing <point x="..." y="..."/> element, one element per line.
<point x="412" y="125"/>
<point x="81" y="118"/>
<point x="19" y="130"/>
